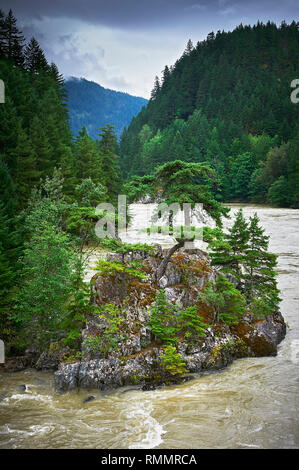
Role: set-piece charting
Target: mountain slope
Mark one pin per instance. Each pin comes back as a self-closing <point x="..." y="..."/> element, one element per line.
<point x="93" y="106"/>
<point x="227" y="102"/>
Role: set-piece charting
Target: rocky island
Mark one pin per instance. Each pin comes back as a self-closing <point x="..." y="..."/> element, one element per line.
<point x="132" y="354"/>
<point x="154" y="316"/>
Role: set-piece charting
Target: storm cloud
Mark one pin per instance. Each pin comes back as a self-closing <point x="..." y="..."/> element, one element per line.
<point x="124" y="44"/>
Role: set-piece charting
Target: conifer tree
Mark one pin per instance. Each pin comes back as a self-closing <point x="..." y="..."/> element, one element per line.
<point x="2" y="35"/>
<point x="88" y="158"/>
<point x="26" y="174"/>
<point x="13" y="39"/>
<point x="35" y="60"/>
<point x="228" y="250"/>
<point x="237" y="238"/>
<point x="260" y="285"/>
<point x="41" y="147"/>
<point x="189" y="47"/>
<point x="109" y="159"/>
<point x="156" y="89"/>
<point x="165" y="75"/>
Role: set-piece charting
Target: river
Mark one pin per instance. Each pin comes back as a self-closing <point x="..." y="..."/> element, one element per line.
<point x="251" y="404"/>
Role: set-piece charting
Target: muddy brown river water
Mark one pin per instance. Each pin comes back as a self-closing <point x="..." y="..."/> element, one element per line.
<point x="251" y="404"/>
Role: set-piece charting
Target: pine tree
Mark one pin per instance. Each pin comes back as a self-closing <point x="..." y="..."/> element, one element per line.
<point x="109" y="160"/>
<point x="7" y="254"/>
<point x="41" y="146"/>
<point x="26" y="173"/>
<point x="13" y="39"/>
<point x="238" y="237"/>
<point x="88" y="159"/>
<point x="189" y="47"/>
<point x="163" y="319"/>
<point x="228" y="250"/>
<point x="156" y="89"/>
<point x="260" y="285"/>
<point x="2" y="34"/>
<point x="224" y="300"/>
<point x="35" y="60"/>
<point x="165" y="76"/>
<point x="172" y="362"/>
<point x="8" y="195"/>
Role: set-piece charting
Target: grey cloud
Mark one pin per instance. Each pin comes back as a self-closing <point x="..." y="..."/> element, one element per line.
<point x="107" y="40"/>
<point x="130" y="13"/>
<point x="145" y="14"/>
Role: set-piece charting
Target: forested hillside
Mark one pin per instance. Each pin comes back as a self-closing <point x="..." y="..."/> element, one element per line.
<point x="50" y="184"/>
<point x="93" y="106"/>
<point x="226" y="101"/>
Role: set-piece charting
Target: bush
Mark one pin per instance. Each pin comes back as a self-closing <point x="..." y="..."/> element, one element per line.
<point x="172" y="361"/>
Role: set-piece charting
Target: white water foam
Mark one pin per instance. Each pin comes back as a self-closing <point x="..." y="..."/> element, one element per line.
<point x="28" y="396"/>
<point x="145" y="432"/>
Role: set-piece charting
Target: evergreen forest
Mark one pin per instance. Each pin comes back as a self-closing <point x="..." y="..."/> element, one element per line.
<point x="226" y="102"/>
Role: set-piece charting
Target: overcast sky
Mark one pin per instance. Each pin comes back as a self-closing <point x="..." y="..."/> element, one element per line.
<point x="122" y="45"/>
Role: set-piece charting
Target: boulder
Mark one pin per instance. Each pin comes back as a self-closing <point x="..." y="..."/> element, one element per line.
<point x="265" y="335"/>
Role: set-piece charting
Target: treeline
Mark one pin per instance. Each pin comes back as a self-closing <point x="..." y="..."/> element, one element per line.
<point x="50" y="184"/>
<point x="226" y="101"/>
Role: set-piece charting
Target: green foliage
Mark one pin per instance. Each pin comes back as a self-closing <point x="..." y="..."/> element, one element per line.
<point x="44" y="288"/>
<point x="243" y="253"/>
<point x="191" y="324"/>
<point x="278" y="192"/>
<point x="260" y="284"/>
<point x="118" y="246"/>
<point x="81" y="222"/>
<point x="139" y="187"/>
<point x="49" y="187"/>
<point x="79" y="306"/>
<point x="110" y="268"/>
<point x="109" y="160"/>
<point x="168" y="321"/>
<point x="88" y="158"/>
<point x="163" y="320"/>
<point x="181" y="182"/>
<point x="225" y="301"/>
<point x="109" y="337"/>
<point x="90" y="194"/>
<point x="228" y="249"/>
<point x="173" y="362"/>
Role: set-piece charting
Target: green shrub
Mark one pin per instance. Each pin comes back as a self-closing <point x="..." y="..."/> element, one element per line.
<point x="172" y="361"/>
<point x="163" y="319"/>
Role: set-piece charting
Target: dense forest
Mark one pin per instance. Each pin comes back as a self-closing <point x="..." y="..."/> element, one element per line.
<point x="93" y="106"/>
<point x="50" y="185"/>
<point x="52" y="182"/>
<point x="226" y="101"/>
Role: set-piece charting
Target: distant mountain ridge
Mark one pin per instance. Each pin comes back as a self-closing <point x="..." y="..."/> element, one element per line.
<point x="94" y="106"/>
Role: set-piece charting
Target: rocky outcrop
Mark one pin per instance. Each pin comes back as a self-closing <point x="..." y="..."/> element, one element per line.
<point x="17" y="363"/>
<point x="136" y="355"/>
<point x="143" y="368"/>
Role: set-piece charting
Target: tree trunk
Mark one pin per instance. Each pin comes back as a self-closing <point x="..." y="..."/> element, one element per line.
<point x="163" y="265"/>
